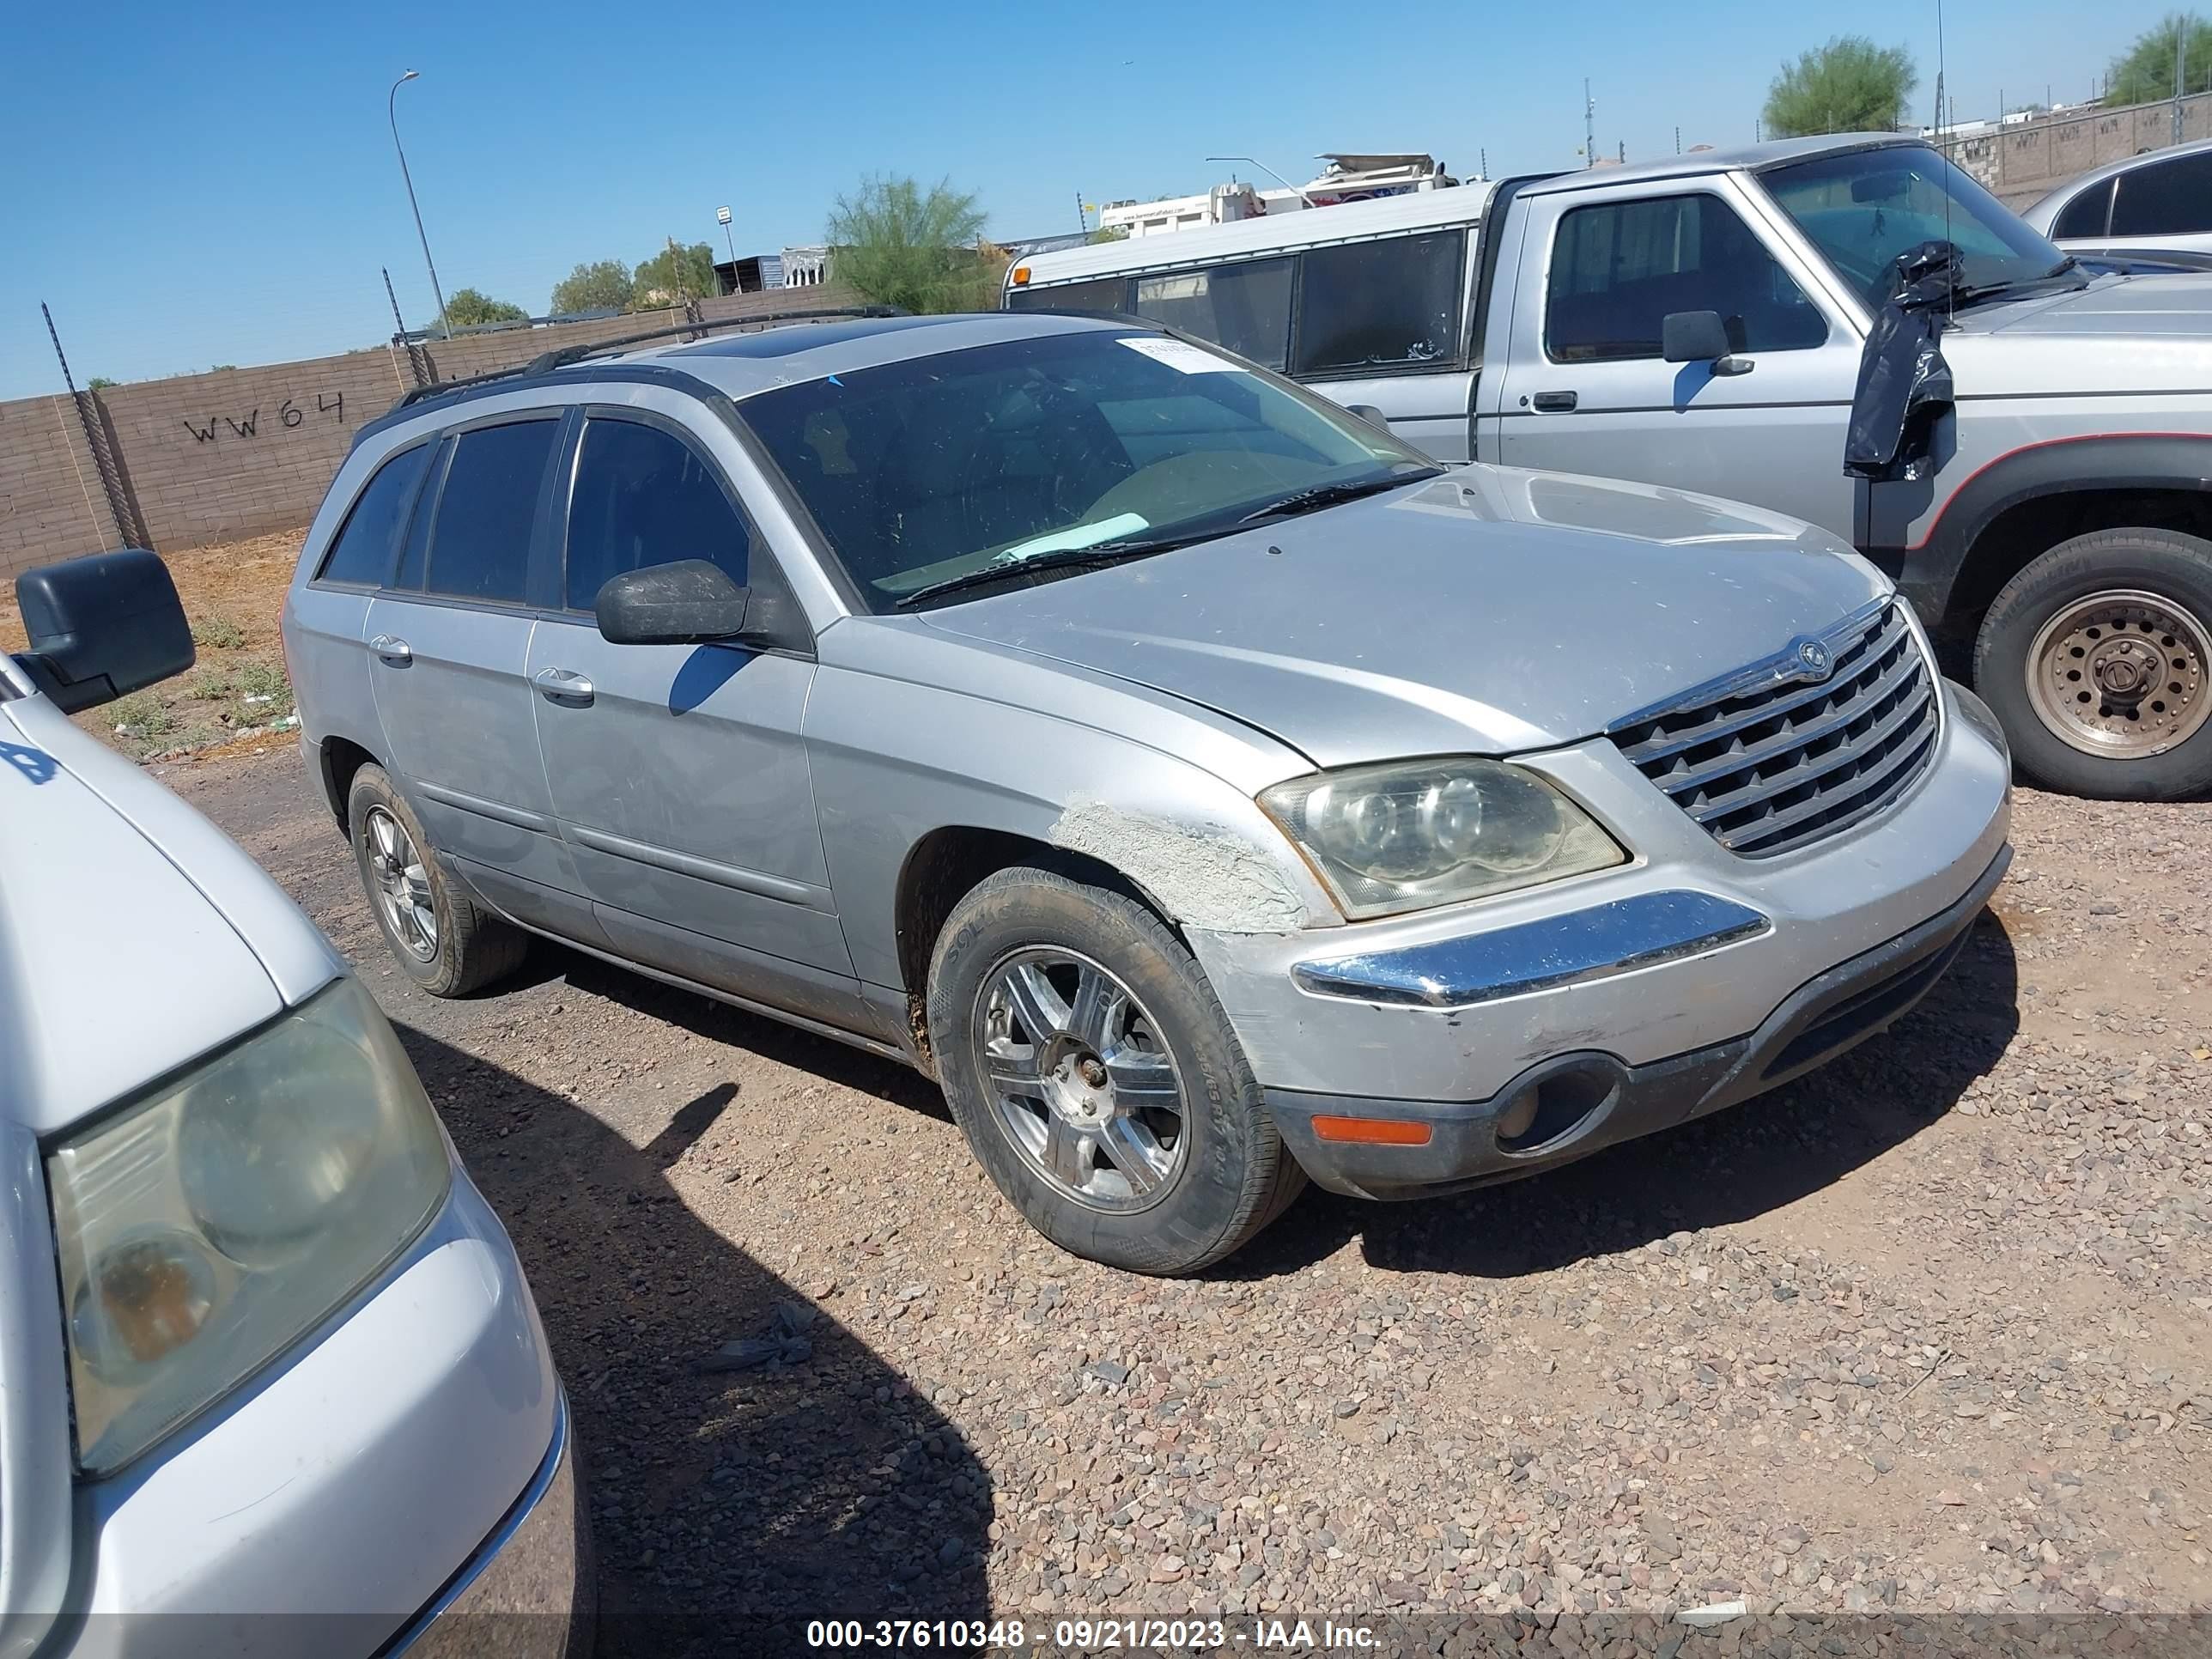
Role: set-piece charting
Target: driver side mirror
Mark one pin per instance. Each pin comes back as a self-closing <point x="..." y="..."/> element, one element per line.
<point x="102" y="626"/>
<point x="691" y="602"/>
<point x="1698" y="337"/>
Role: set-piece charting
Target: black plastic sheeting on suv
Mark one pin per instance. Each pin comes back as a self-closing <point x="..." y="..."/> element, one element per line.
<point x="1904" y="382"/>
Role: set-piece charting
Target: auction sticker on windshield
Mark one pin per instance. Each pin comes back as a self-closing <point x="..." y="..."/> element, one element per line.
<point x="1180" y="354"/>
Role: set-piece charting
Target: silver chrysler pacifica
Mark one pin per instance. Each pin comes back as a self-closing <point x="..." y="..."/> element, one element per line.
<point x="1207" y="791"/>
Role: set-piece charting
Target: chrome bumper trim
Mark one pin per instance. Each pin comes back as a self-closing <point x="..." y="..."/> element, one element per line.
<point x="1638" y="931"/>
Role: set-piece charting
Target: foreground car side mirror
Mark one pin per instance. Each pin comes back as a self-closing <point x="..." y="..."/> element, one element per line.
<point x="1369" y="414"/>
<point x="102" y="626"/>
<point x="691" y="602"/>
<point x="1698" y="337"/>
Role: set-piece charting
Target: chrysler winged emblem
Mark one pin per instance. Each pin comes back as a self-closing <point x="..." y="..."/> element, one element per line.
<point x="1815" y="662"/>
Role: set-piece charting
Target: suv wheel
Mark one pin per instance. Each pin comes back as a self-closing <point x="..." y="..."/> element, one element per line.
<point x="1097" y="1079"/>
<point x="442" y="939"/>
<point x="2097" y="659"/>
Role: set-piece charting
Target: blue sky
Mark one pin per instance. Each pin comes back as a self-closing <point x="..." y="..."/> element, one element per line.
<point x="190" y="186"/>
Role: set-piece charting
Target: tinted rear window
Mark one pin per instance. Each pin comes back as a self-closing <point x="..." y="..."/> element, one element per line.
<point x="362" y="551"/>
<point x="2085" y="215"/>
<point x="2169" y="198"/>
<point x="480" y="546"/>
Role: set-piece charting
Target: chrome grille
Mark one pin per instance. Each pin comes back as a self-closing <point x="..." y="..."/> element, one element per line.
<point x="1769" y="763"/>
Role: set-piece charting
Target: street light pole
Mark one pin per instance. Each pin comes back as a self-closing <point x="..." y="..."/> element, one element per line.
<point x="392" y="113"/>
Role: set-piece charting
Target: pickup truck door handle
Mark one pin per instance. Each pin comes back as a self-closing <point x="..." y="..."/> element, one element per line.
<point x="1554" y="402"/>
<point x="392" y="650"/>
<point x="562" y="685"/>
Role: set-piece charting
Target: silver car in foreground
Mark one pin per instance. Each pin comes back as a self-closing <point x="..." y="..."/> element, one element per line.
<point x="1209" y="792"/>
<point x="270" y="1379"/>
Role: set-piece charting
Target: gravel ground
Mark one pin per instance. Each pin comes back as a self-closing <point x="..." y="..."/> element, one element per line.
<point x="1928" y="1331"/>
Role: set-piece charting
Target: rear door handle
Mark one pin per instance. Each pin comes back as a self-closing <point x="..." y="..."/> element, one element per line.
<point x="562" y="685"/>
<point x="1554" y="402"/>
<point x="392" y="650"/>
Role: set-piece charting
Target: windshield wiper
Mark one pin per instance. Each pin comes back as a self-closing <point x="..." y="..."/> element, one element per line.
<point x="1331" y="494"/>
<point x="1074" y="558"/>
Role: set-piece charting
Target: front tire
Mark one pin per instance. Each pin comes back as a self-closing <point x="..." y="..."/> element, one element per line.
<point x="2097" y="659"/>
<point x="441" y="938"/>
<point x="1097" y="1080"/>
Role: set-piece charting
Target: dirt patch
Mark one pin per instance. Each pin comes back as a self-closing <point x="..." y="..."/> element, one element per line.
<point x="234" y="594"/>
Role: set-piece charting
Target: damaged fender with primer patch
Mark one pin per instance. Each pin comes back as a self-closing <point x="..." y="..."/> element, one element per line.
<point x="1205" y="875"/>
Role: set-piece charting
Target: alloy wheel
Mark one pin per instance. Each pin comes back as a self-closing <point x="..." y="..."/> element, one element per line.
<point x="402" y="883"/>
<point x="1080" y="1079"/>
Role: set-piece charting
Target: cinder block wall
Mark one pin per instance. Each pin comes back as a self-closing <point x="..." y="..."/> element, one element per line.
<point x="240" y="452"/>
<point x="2021" y="164"/>
<point x="50" y="502"/>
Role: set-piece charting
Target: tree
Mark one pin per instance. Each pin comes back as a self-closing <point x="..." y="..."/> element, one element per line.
<point x="902" y="245"/>
<point x="1850" y="85"/>
<point x="1108" y="234"/>
<point x="465" y="307"/>
<point x="2145" y="73"/>
<point x="603" y="285"/>
<point x="675" y="274"/>
<point x="99" y="383"/>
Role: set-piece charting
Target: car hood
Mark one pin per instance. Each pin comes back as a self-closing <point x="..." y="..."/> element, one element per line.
<point x="2140" y="334"/>
<point x="134" y="935"/>
<point x="1489" y="611"/>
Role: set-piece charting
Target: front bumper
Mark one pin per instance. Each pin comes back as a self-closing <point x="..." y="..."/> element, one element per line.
<point x="1586" y="1101"/>
<point x="1686" y="947"/>
<point x="362" y="1484"/>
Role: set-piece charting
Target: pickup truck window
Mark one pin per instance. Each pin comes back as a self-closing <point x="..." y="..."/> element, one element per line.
<point x="1370" y="307"/>
<point x="1863" y="208"/>
<point x="1619" y="268"/>
<point x="1245" y="308"/>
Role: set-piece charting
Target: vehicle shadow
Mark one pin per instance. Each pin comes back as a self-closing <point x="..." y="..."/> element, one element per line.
<point x="1758" y="1157"/>
<point x="729" y="1508"/>
<point x="756" y="1034"/>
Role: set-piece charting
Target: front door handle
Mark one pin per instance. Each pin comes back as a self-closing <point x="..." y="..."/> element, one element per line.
<point x="396" y="651"/>
<point x="562" y="685"/>
<point x="1554" y="402"/>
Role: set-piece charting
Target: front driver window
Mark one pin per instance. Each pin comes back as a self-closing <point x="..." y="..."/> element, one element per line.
<point x="1620" y="268"/>
<point x="644" y="497"/>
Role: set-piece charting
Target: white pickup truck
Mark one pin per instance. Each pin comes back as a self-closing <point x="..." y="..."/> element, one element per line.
<point x="2041" y="479"/>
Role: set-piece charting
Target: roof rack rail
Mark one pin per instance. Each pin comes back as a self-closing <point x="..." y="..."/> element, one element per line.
<point x="562" y="357"/>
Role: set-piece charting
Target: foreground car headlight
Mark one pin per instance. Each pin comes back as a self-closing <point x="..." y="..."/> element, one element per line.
<point x="205" y="1229"/>
<point x="1410" y="834"/>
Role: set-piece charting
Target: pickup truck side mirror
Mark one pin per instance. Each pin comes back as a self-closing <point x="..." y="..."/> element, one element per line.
<point x="691" y="602"/>
<point x="102" y="626"/>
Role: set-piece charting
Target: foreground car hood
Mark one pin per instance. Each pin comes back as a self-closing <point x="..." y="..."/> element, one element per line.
<point x="134" y="935"/>
<point x="1488" y="611"/>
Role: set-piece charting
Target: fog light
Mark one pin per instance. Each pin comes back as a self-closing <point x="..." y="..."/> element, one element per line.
<point x="1517" y="1120"/>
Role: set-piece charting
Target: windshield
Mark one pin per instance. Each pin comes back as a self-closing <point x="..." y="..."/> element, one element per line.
<point x="1865" y="207"/>
<point x="923" y="472"/>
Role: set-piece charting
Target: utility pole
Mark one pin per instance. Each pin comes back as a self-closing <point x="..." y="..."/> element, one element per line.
<point x="1678" y="141"/>
<point x="1082" y="219"/>
<point x="2180" y="57"/>
<point x="1589" y="126"/>
<point x="392" y="115"/>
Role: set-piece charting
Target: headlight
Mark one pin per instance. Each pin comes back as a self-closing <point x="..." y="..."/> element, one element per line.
<point x="1412" y="834"/>
<point x="206" y="1228"/>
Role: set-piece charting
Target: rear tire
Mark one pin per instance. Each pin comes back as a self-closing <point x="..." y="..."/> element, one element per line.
<point x="2097" y="659"/>
<point x="441" y="938"/>
<point x="1097" y="1080"/>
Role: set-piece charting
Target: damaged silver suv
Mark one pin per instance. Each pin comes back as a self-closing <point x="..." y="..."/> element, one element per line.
<point x="1209" y="792"/>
